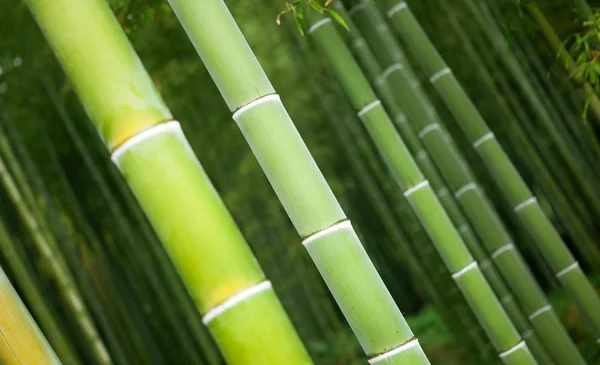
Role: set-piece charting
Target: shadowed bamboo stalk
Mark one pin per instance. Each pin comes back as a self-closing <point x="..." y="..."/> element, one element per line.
<point x="326" y="232"/>
<point x="21" y="341"/>
<point x="494" y="236"/>
<point x="512" y="110"/>
<point x="563" y="55"/>
<point x="31" y="292"/>
<point x="417" y="190"/>
<point x="516" y="192"/>
<point x="208" y="250"/>
<point x="373" y="71"/>
<point x="49" y="252"/>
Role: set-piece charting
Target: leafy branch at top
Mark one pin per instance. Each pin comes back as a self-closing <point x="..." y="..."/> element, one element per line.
<point x="586" y="54"/>
<point x="295" y="8"/>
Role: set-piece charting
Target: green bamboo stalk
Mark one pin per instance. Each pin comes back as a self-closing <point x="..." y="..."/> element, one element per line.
<point x="216" y="265"/>
<point x="525" y="205"/>
<point x="48" y="251"/>
<point x="403" y="252"/>
<point x="21" y="341"/>
<point x="30" y="290"/>
<point x="494" y="36"/>
<point x="459" y="178"/>
<point x="373" y="70"/>
<point x="516" y="117"/>
<point x="154" y="270"/>
<point x="419" y="193"/>
<point x="326" y="232"/>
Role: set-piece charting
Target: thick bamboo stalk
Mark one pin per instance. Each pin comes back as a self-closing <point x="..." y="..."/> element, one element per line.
<point x="422" y="198"/>
<point x="326" y="232"/>
<point x="21" y="341"/>
<point x="516" y="192"/>
<point x="209" y="252"/>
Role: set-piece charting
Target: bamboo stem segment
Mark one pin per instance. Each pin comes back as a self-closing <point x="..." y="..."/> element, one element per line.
<point x="499" y="165"/>
<point x="21" y="341"/>
<point x="417" y="190"/>
<point x="331" y="242"/>
<point x="208" y="250"/>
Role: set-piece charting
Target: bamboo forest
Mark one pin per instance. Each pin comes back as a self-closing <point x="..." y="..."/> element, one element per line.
<point x="300" y="182"/>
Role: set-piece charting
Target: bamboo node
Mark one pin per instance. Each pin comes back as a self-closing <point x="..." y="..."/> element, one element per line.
<point x="429" y="128"/>
<point x="396" y="8"/>
<point x="367" y="108"/>
<point x="390" y="69"/>
<point x="472" y="265"/>
<point x="386" y="355"/>
<point x="506" y="299"/>
<point x="464" y="189"/>
<point x="261" y="99"/>
<point x="501" y="250"/>
<point x="527" y="333"/>
<point x="520" y="345"/>
<point x="170" y="126"/>
<point x="419" y="186"/>
<point x="527" y="202"/>
<point x="439" y="74"/>
<point x="545" y="308"/>
<point x="486" y="137"/>
<point x="343" y="224"/>
<point x="567" y="269"/>
<point x="318" y="24"/>
<point x="357" y="7"/>
<point x="235" y="299"/>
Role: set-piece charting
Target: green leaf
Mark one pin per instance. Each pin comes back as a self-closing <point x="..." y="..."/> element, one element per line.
<point x="338" y="18"/>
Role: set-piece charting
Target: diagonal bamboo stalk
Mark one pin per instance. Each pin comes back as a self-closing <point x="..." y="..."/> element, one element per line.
<point x="214" y="260"/>
<point x="516" y="192"/>
<point x="417" y="190"/>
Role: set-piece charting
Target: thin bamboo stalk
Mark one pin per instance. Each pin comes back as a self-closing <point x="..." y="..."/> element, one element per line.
<point x="516" y="192"/>
<point x="487" y="225"/>
<point x="15" y="262"/>
<point x="47" y="249"/>
<point x="326" y="232"/>
<point x="561" y="52"/>
<point x="417" y="190"/>
<point x="207" y="248"/>
<point x="373" y="70"/>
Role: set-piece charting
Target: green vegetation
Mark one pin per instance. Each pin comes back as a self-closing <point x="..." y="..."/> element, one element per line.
<point x="178" y="178"/>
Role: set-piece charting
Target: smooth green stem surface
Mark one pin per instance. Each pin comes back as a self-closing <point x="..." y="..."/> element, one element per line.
<point x="21" y="341"/>
<point x="418" y="192"/>
<point x="207" y="248"/>
<point x="516" y="192"/>
<point x="327" y="234"/>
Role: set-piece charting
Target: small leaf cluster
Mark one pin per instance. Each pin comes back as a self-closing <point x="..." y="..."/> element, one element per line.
<point x="296" y="9"/>
<point x="585" y="51"/>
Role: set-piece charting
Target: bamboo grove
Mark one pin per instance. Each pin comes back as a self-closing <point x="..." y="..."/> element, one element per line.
<point x="391" y="182"/>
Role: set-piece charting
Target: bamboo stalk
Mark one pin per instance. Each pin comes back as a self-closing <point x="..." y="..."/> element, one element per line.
<point x="326" y="232"/>
<point x="21" y="341"/>
<point x="417" y="190"/>
<point x="373" y="70"/>
<point x="47" y="249"/>
<point x="207" y="248"/>
<point x="516" y="192"/>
